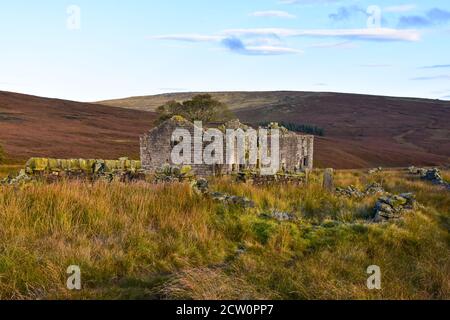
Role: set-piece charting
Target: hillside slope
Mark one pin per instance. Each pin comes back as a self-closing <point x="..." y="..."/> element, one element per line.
<point x="35" y="126"/>
<point x="361" y="130"/>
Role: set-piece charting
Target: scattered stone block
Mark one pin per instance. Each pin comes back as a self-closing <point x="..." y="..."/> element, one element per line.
<point x="279" y="215"/>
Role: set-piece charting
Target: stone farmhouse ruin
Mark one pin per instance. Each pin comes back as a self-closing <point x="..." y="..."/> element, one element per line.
<point x="296" y="151"/>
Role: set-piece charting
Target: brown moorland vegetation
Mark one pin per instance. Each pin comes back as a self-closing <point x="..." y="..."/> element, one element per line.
<point x="360" y="131"/>
<point x="41" y="127"/>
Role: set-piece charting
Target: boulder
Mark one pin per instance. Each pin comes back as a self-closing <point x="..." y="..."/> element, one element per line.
<point x="201" y="186"/>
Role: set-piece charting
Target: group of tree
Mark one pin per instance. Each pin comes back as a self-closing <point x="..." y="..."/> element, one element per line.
<point x="205" y="108"/>
<point x="202" y="107"/>
<point x="300" y="128"/>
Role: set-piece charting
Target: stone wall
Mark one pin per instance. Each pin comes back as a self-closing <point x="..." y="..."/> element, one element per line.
<point x="87" y="166"/>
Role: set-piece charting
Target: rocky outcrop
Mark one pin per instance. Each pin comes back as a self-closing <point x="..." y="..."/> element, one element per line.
<point x="391" y="207"/>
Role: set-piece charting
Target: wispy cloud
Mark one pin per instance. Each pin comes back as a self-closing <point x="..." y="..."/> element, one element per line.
<point x="376" y="34"/>
<point x="268" y="41"/>
<point x="400" y="8"/>
<point x="428" y="78"/>
<point x="236" y="45"/>
<point x="432" y="17"/>
<point x="436" y="66"/>
<point x="273" y="14"/>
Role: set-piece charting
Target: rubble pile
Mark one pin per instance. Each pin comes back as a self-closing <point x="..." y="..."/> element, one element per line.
<point x="169" y="174"/>
<point x="352" y="192"/>
<point x="232" y="200"/>
<point x="391" y="207"/>
<point x="279" y="215"/>
<point x="432" y="175"/>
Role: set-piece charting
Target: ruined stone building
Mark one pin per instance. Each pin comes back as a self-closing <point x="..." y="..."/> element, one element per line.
<point x="296" y="151"/>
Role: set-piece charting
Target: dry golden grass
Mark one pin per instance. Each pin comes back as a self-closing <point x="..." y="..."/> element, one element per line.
<point x="5" y="170"/>
<point x="165" y="242"/>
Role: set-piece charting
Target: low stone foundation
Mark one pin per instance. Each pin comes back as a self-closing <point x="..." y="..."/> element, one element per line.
<point x="280" y="178"/>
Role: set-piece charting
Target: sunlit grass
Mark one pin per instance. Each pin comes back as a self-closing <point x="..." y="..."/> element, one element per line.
<point x="165" y="242"/>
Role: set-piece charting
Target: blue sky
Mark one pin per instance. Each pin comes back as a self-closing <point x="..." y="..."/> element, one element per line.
<point x="99" y="49"/>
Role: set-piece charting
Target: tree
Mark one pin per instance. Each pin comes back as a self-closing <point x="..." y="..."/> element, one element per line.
<point x="202" y="107"/>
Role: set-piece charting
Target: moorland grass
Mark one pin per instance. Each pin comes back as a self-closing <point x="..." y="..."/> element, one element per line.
<point x="147" y="241"/>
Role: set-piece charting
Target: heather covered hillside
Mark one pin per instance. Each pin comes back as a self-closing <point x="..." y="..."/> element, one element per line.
<point x="360" y="131"/>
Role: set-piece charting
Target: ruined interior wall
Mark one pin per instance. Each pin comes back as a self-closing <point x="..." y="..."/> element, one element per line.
<point x="156" y="148"/>
<point x="296" y="151"/>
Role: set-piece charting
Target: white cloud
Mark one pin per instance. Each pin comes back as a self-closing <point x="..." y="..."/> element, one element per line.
<point x="427" y="78"/>
<point x="378" y="34"/>
<point x="269" y="41"/>
<point x="273" y="14"/>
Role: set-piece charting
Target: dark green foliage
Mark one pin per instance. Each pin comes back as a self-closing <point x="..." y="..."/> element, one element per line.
<point x="202" y="107"/>
<point x="303" y="128"/>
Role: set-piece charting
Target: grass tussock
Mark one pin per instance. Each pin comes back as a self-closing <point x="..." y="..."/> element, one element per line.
<point x="165" y="242"/>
